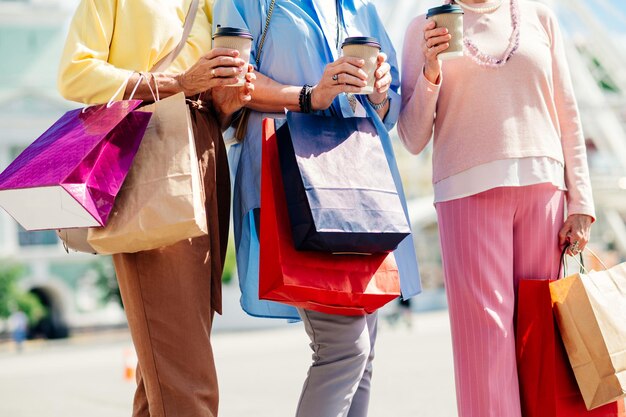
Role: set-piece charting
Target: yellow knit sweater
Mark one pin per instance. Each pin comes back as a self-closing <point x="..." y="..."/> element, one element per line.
<point x="109" y="39"/>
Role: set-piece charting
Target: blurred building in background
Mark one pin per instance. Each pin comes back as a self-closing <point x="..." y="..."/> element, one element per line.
<point x="31" y="38"/>
<point x="32" y="34"/>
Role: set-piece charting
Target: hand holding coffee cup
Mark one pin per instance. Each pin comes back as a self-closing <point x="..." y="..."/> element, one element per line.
<point x="443" y="38"/>
<point x="239" y="40"/>
<point x="219" y="67"/>
<point x="345" y="75"/>
<point x="436" y="40"/>
<point x="368" y="49"/>
<point x="228" y="100"/>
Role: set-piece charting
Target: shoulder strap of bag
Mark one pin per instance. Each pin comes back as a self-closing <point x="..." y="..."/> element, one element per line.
<point x="268" y="19"/>
<point x="244" y="115"/>
<point x="166" y="61"/>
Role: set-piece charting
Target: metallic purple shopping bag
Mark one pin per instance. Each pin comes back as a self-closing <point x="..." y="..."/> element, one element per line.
<point x="70" y="175"/>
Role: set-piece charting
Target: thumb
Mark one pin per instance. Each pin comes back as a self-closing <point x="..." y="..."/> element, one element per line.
<point x="565" y="230"/>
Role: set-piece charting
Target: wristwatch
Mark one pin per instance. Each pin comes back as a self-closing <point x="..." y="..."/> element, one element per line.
<point x="379" y="105"/>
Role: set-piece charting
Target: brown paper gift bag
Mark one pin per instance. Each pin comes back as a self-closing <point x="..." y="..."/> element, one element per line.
<point x="591" y="314"/>
<point x="162" y="199"/>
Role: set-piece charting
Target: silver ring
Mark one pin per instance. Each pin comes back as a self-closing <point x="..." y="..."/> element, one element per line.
<point x="336" y="77"/>
<point x="574" y="247"/>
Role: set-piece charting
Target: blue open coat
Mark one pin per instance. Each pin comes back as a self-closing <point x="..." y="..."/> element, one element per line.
<point x="300" y="42"/>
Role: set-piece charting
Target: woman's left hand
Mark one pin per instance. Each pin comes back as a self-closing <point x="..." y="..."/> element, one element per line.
<point x="575" y="232"/>
<point x="383" y="79"/>
<point x="227" y="100"/>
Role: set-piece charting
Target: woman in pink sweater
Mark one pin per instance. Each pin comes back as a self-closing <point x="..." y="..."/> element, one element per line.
<point x="509" y="160"/>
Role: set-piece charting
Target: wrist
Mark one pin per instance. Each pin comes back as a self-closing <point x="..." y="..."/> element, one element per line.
<point x="377" y="99"/>
<point x="378" y="103"/>
<point x="179" y="82"/>
<point x="432" y="74"/>
<point x="315" y="104"/>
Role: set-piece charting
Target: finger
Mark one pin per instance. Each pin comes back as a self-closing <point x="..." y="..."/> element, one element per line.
<point x="383" y="70"/>
<point x="215" y="52"/>
<point x="354" y="61"/>
<point x="429" y="26"/>
<point x="251" y="68"/>
<point x="217" y="82"/>
<point x="225" y="61"/>
<point x="250" y="76"/>
<point x="435" y="32"/>
<point x="344" y="78"/>
<point x="431" y="53"/>
<point x="348" y="68"/>
<point x="383" y="83"/>
<point x="437" y="40"/>
<point x="382" y="57"/>
<point x="564" y="234"/>
<point x="577" y="236"/>
<point x="347" y="88"/>
<point x="225" y="72"/>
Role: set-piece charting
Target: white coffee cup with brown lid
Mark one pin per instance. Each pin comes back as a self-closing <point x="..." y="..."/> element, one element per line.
<point x="366" y="48"/>
<point x="451" y="17"/>
<point x="235" y="38"/>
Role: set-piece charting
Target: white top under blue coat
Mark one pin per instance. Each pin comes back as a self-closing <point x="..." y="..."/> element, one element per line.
<point x="301" y="41"/>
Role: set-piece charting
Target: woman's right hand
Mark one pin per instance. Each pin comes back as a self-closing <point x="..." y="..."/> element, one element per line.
<point x="217" y="68"/>
<point x="435" y="41"/>
<point x="348" y="78"/>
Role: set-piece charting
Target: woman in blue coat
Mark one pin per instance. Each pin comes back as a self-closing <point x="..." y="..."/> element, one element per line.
<point x="302" y="47"/>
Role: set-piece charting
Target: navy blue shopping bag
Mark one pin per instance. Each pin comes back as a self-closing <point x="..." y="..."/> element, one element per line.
<point x="341" y="196"/>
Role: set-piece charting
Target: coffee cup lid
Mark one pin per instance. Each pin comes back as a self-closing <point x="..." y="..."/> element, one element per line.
<point x="229" y="31"/>
<point x="361" y="40"/>
<point x="446" y="8"/>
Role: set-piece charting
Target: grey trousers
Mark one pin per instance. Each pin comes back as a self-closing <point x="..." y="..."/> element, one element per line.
<point x="338" y="382"/>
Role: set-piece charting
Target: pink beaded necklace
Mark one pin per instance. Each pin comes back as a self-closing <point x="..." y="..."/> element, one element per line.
<point x="487" y="60"/>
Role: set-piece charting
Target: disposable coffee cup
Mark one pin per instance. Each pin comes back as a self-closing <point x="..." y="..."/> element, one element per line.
<point x="450" y="17"/>
<point x="235" y="38"/>
<point x="366" y="48"/>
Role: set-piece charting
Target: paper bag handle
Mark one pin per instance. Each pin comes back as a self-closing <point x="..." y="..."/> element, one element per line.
<point x="563" y="264"/>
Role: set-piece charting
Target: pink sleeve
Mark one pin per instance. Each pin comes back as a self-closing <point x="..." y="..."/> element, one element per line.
<point x="419" y="96"/>
<point x="579" y="196"/>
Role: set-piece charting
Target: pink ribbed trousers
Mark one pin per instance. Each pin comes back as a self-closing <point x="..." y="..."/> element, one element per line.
<point x="489" y="241"/>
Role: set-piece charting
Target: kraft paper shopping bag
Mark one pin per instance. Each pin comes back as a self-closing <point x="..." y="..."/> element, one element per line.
<point x="162" y="200"/>
<point x="591" y="314"/>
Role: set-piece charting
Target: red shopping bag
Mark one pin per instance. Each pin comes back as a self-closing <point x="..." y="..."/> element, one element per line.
<point x="334" y="284"/>
<point x="548" y="387"/>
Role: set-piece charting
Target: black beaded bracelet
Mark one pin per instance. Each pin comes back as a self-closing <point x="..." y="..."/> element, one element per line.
<point x="309" y="95"/>
<point x="304" y="100"/>
<point x="301" y="99"/>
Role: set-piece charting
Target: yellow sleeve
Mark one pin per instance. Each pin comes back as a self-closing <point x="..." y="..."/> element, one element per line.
<point x="208" y="10"/>
<point x="84" y="73"/>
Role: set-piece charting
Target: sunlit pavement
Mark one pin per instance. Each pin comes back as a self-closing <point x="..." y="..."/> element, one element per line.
<point x="261" y="373"/>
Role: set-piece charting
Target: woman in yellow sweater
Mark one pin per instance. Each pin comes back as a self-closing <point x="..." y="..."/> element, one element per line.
<point x="169" y="294"/>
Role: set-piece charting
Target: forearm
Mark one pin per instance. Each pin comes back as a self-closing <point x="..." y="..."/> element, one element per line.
<point x="273" y="97"/>
<point x="417" y="117"/>
<point x="165" y="84"/>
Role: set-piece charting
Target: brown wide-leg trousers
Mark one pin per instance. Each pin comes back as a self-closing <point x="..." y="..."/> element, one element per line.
<point x="170" y="296"/>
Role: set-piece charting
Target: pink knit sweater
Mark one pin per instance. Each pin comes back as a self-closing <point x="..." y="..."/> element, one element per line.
<point x="479" y="114"/>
